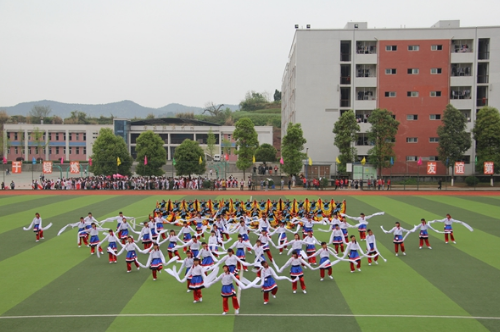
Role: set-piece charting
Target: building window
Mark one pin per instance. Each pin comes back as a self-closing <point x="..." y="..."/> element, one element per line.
<point x="435" y="117"/>
<point x="77" y="136"/>
<point x="70" y="150"/>
<point x="433" y="140"/>
<point x="436" y="70"/>
<point x="413" y="48"/>
<point x="84" y="151"/>
<point x="17" y="151"/>
<point x="391" y="47"/>
<point x="412" y="70"/>
<point x="465" y="159"/>
<point x="50" y="151"/>
<point x="84" y="136"/>
<point x="390" y="71"/>
<point x="411" y="140"/>
<point x="70" y="136"/>
<point x="57" y="150"/>
<point x="64" y="137"/>
<point x="78" y="150"/>
<point x="15" y="137"/>
<point x="412" y="117"/>
<point x="57" y="136"/>
<point x="411" y="158"/>
<point x="436" y="47"/>
<point x="435" y="94"/>
<point x="64" y="151"/>
<point x="390" y="94"/>
<point x="433" y="158"/>
<point x="412" y="94"/>
<point x="36" y="150"/>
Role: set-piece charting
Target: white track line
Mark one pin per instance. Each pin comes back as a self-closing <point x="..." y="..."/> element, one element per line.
<point x="244" y="315"/>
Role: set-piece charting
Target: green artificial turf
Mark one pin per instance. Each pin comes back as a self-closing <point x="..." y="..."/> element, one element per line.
<point x="56" y="278"/>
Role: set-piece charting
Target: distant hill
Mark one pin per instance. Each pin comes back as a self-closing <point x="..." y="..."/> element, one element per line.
<point x="123" y="109"/>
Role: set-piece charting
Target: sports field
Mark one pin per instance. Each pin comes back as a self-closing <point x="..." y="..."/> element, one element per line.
<point x="55" y="286"/>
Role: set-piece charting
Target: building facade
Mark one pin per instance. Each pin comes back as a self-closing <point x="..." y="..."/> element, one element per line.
<point x="50" y="141"/>
<point x="74" y="142"/>
<point x="413" y="73"/>
<point x="174" y="131"/>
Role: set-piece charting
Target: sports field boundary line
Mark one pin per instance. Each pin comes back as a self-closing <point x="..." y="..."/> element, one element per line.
<point x="230" y="193"/>
<point x="125" y="315"/>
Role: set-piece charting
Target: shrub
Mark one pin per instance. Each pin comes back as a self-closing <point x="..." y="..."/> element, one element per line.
<point x="472" y="181"/>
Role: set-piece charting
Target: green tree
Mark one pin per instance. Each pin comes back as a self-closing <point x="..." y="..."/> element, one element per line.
<point x="22" y="142"/>
<point x="77" y="117"/>
<point x="292" y="146"/>
<point x="383" y="135"/>
<point x="150" y="144"/>
<point x="187" y="158"/>
<point x="346" y="131"/>
<point x="39" y="112"/>
<point x="40" y="144"/>
<point x="226" y="146"/>
<point x="277" y="95"/>
<point x="246" y="142"/>
<point x="454" y="141"/>
<point x="213" y="110"/>
<point x="265" y="153"/>
<point x="107" y="148"/>
<point x="253" y="101"/>
<point x="211" y="143"/>
<point x="487" y="135"/>
<point x="4" y="117"/>
<point x="56" y="120"/>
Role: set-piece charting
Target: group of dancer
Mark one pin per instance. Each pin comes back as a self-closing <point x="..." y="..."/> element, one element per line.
<point x="206" y="231"/>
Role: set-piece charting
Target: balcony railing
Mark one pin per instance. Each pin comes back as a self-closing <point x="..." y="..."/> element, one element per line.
<point x="345" y="56"/>
<point x="345" y="80"/>
<point x="482" y="101"/>
<point x="482" y="78"/>
<point x="345" y="102"/>
<point x="483" y="55"/>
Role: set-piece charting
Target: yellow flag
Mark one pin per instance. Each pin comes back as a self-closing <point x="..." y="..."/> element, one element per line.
<point x="310" y="161"/>
<point x="118" y="162"/>
<point x="363" y="161"/>
<point x="200" y="161"/>
<point x="337" y="160"/>
<point x="253" y="159"/>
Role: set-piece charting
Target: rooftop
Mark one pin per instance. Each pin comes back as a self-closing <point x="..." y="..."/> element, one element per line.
<point x="171" y="121"/>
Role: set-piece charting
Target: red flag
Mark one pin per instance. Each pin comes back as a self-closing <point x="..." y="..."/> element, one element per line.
<point x="4" y="160"/>
<point x="62" y="160"/>
<point x="281" y="161"/>
<point x="145" y="160"/>
<point x="419" y="161"/>
<point x="227" y="157"/>
<point x="90" y="161"/>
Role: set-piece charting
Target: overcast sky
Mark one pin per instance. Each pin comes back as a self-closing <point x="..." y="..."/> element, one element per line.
<point x="188" y="52"/>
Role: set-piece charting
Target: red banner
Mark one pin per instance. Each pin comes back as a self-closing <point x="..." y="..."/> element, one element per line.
<point x="47" y="167"/>
<point x="459" y="168"/>
<point x="17" y="166"/>
<point x="74" y="167"/>
<point x="489" y="168"/>
<point x="431" y="168"/>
